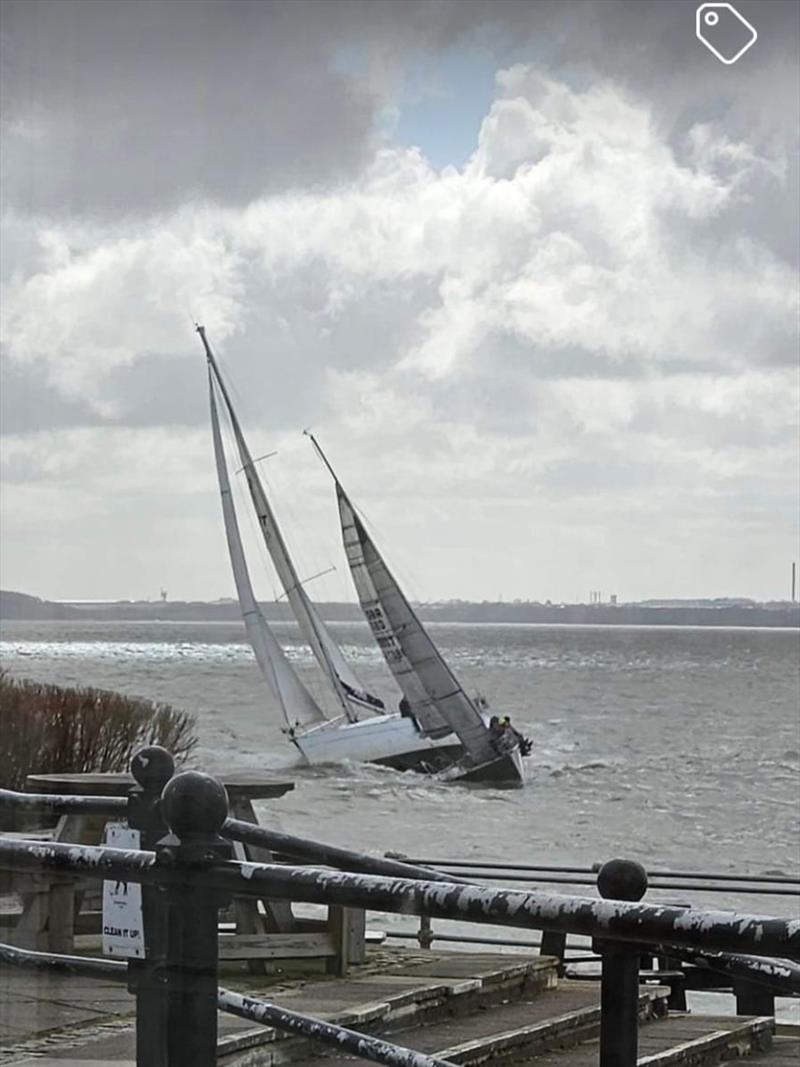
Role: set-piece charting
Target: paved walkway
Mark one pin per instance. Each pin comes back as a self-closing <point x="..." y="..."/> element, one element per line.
<point x="52" y="1020"/>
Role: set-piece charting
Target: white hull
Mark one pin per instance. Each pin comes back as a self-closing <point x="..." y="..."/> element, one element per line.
<point x="390" y="739"/>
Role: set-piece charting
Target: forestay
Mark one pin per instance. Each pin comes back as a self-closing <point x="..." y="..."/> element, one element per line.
<point x="297" y="704"/>
<point x="432" y="690"/>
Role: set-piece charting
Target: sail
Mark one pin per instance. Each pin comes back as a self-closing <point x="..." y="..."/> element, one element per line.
<point x="427" y="682"/>
<point x="349" y="690"/>
<point x="297" y="704"/>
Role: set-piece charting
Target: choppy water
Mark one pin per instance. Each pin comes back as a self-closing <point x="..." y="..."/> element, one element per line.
<point x="678" y="747"/>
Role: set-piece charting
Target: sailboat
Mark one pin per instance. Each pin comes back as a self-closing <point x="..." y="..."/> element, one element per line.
<point x="361" y="729"/>
<point x="432" y="693"/>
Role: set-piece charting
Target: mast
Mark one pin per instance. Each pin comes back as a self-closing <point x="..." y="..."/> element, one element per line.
<point x="349" y="691"/>
<point x="435" y="694"/>
<point x="298" y="706"/>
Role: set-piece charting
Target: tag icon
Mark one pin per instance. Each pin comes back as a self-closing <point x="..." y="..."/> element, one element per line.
<point x="724" y="31"/>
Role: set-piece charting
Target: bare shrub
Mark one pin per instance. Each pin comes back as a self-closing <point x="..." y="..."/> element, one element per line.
<point x="47" y="729"/>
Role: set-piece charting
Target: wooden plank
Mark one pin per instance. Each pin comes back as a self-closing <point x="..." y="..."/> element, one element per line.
<point x="278" y="917"/>
<point x="275" y="946"/>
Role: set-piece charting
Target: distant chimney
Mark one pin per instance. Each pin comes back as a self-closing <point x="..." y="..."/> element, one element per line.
<point x="794" y="581"/>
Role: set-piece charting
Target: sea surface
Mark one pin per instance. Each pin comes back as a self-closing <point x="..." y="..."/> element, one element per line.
<point x="678" y="747"/>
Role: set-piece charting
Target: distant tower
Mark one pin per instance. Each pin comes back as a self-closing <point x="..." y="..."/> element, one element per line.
<point x="163" y="596"/>
<point x="794" y="581"/>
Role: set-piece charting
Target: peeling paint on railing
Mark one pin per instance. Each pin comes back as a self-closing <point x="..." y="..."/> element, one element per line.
<point x="363" y="1045"/>
<point x="57" y="804"/>
<point x="719" y="931"/>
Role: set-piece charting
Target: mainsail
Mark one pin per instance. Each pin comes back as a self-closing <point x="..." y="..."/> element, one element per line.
<point x="431" y="688"/>
<point x="297" y="704"/>
<point x="348" y="688"/>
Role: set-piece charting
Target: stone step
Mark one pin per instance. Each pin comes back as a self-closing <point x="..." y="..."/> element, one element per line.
<point x="502" y="1032"/>
<point x="785" y="1052"/>
<point x="61" y="1017"/>
<point x="405" y="994"/>
<point x="679" y="1039"/>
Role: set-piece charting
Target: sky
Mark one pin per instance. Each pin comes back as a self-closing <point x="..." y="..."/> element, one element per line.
<point x="528" y="270"/>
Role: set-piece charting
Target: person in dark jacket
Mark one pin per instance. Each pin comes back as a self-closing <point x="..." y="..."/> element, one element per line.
<point x="525" y="744"/>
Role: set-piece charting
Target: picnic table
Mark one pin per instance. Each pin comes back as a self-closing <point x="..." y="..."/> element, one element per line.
<point x="56" y="907"/>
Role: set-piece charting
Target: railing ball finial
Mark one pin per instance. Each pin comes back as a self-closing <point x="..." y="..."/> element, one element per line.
<point x="152" y="767"/>
<point x="194" y="804"/>
<point x="622" y="880"/>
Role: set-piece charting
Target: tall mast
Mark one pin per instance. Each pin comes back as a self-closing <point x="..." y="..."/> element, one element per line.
<point x="326" y="652"/>
<point x="297" y="704"/>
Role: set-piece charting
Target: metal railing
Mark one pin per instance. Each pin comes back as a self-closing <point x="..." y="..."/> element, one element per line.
<point x="184" y="825"/>
<point x="686" y="881"/>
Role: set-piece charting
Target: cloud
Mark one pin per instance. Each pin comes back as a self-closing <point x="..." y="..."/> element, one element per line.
<point x="578" y="327"/>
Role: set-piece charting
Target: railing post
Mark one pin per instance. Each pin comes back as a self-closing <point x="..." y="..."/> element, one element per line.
<point x="194" y="806"/>
<point x="753" y="998"/>
<point x="425" y="932"/>
<point x="619" y="988"/>
<point x="152" y="767"/>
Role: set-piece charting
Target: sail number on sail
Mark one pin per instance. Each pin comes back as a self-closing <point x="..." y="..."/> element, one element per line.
<point x="386" y="640"/>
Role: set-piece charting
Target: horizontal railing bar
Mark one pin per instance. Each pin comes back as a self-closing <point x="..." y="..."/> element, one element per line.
<point x="89" y="966"/>
<point x="781" y="975"/>
<point x="719" y="931"/>
<point x="547" y="879"/>
<point x="466" y="938"/>
<point x="362" y="1045"/>
<point x="349" y="860"/>
<point x="493" y="865"/>
<point x="58" y="804"/>
<point x="330" y="855"/>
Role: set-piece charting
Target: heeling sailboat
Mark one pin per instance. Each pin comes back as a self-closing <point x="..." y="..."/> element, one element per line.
<point x="391" y="738"/>
<point x="433" y="692"/>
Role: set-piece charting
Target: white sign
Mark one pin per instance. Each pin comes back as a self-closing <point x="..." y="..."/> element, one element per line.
<point x="122" y="903"/>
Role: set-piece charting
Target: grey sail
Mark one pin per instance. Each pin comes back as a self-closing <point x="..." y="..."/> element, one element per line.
<point x="350" y="692"/>
<point x="431" y="688"/>
<point x="298" y="706"/>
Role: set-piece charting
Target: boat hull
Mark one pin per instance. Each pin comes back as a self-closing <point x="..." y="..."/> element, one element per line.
<point x="507" y="770"/>
<point x="389" y="740"/>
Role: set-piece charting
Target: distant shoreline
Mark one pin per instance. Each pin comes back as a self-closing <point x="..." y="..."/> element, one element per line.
<point x="20" y="606"/>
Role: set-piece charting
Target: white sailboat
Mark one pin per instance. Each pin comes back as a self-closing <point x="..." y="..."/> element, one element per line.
<point x="433" y="694"/>
<point x="384" y="737"/>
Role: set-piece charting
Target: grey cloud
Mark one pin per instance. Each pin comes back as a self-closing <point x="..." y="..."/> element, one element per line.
<point x="129" y="107"/>
<point x="29" y="404"/>
<point x="602" y="475"/>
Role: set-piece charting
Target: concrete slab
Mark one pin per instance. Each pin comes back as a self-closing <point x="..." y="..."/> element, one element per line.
<point x="60" y="1019"/>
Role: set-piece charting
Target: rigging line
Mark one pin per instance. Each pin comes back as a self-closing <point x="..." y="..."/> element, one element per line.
<point x="267" y="455"/>
<point x="237" y="433"/>
<point x="311" y="552"/>
<point x="226" y="381"/>
<point x="327" y="667"/>
<point x="265" y="566"/>
<point x="355" y="507"/>
<point x="305" y="581"/>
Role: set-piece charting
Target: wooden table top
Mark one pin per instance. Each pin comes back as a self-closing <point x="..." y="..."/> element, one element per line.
<point x="245" y="784"/>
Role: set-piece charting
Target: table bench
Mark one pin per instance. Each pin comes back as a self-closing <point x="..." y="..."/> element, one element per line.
<point x="263" y="930"/>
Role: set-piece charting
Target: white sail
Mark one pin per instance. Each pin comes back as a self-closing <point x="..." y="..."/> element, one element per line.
<point x="297" y="704"/>
<point x="430" y="686"/>
<point x="349" y="690"/>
